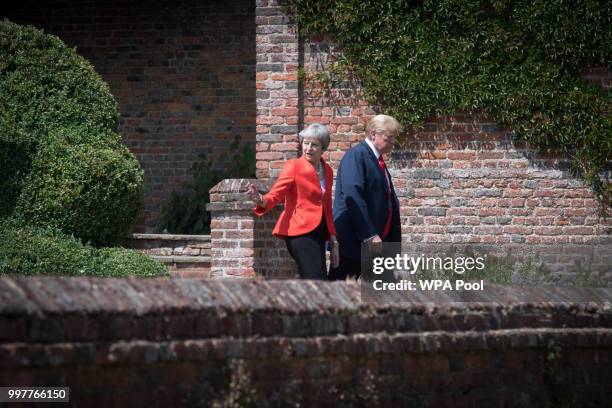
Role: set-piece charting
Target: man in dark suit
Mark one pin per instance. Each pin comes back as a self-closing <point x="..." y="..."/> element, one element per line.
<point x="366" y="208"/>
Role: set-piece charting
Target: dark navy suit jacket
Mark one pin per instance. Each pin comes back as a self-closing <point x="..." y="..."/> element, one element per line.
<point x="360" y="204"/>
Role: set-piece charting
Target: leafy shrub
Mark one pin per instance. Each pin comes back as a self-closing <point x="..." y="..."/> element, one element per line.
<point x="84" y="189"/>
<point x="66" y="166"/>
<point x="28" y="250"/>
<point x="517" y="60"/>
<point x="121" y="262"/>
<point x="185" y="212"/>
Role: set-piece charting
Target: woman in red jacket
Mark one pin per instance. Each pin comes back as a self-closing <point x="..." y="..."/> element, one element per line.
<point x="305" y="187"/>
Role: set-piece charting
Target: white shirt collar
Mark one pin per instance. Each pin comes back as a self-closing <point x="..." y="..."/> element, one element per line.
<point x="374" y="149"/>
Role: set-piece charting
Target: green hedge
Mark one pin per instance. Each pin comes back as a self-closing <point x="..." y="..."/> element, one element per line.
<point x="66" y="166"/>
<point x="83" y="189"/>
<point x="28" y="250"/>
<point x="516" y="60"/>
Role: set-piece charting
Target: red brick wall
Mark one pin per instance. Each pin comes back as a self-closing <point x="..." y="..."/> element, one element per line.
<point x="182" y="73"/>
<point x="161" y="342"/>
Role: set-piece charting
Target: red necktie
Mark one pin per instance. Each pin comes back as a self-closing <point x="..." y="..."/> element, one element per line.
<point x="381" y="164"/>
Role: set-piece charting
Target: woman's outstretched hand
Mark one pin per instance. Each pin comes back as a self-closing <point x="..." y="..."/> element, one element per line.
<point x="255" y="195"/>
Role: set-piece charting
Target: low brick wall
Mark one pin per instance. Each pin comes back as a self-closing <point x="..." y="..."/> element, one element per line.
<point x="186" y="256"/>
<point x="172" y="342"/>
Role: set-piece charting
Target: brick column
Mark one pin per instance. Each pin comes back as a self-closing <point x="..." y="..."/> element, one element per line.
<point x="277" y="88"/>
<point x="242" y="245"/>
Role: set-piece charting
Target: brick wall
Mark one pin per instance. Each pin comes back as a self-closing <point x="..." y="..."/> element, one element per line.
<point x="164" y="342"/>
<point x="182" y="73"/>
<point x="460" y="179"/>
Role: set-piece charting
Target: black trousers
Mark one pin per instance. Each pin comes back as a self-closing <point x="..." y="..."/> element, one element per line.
<point x="308" y="252"/>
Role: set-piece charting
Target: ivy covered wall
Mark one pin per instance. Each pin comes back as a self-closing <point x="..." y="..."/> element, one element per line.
<point x="462" y="178"/>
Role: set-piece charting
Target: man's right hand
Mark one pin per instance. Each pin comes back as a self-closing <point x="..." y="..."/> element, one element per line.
<point x="375" y="244"/>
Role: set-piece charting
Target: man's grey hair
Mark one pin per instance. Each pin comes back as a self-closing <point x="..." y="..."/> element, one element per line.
<point x="318" y="131"/>
<point x="383" y="122"/>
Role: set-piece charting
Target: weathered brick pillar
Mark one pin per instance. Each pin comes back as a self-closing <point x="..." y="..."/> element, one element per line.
<point x="277" y="95"/>
<point x="242" y="245"/>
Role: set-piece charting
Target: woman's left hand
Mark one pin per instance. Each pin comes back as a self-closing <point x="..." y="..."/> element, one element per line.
<point x="335" y="255"/>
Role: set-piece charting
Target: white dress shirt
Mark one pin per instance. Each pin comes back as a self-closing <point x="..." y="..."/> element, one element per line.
<point x="377" y="154"/>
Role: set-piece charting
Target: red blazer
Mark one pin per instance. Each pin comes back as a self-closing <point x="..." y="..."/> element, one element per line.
<point x="300" y="188"/>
